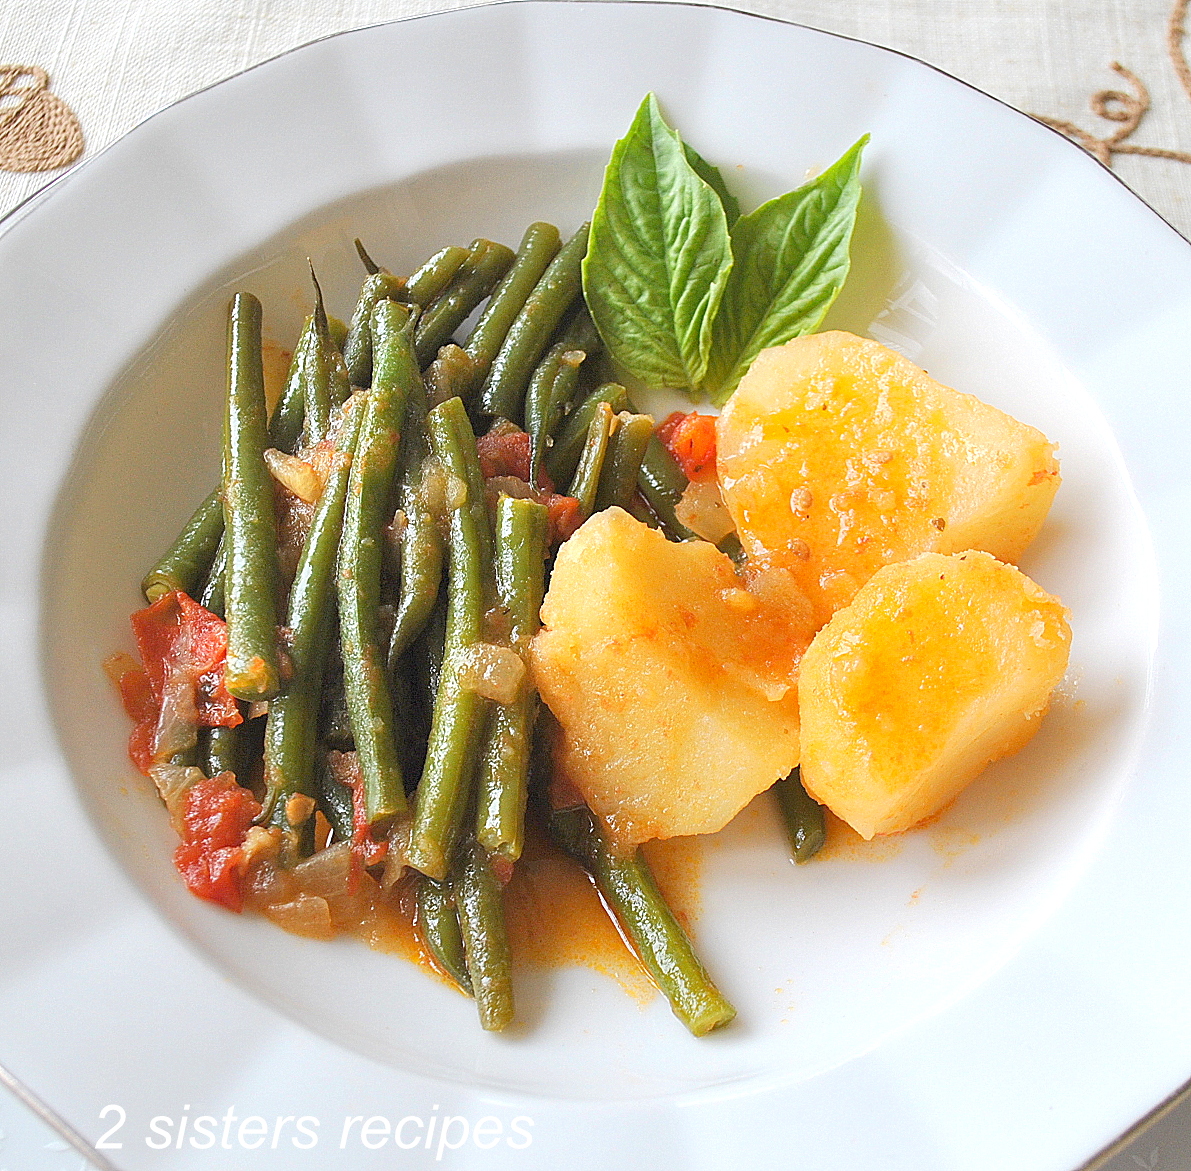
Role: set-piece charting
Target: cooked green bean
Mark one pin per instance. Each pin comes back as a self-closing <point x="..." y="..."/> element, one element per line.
<point x="438" y="925"/>
<point x="186" y="562"/>
<point x="213" y="594"/>
<point x="629" y="891"/>
<point x="563" y="458"/>
<point x="486" y="263"/>
<point x="662" y="483"/>
<point x="421" y="541"/>
<point x="802" y="816"/>
<point x="622" y="465"/>
<point x="369" y="508"/>
<point x="586" y="481"/>
<point x="291" y="733"/>
<point x="251" y="582"/>
<point x="428" y="281"/>
<point x="379" y="285"/>
<point x="579" y="331"/>
<point x="522" y="541"/>
<point x="477" y="894"/>
<point x="539" y="246"/>
<point x="334" y="800"/>
<point x="334" y="723"/>
<point x="325" y="381"/>
<point x="503" y="392"/>
<point x="550" y="389"/>
<point x="444" y="790"/>
<point x="219" y="750"/>
<point x="285" y="423"/>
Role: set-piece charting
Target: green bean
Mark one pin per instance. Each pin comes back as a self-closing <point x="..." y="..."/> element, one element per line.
<point x="662" y="483"/>
<point x="443" y="792"/>
<point x="378" y="286"/>
<point x="213" y="592"/>
<point x="486" y="263"/>
<point x="477" y="894"/>
<point x="219" y="750"/>
<point x="334" y="800"/>
<point x="802" y="816"/>
<point x="563" y="457"/>
<point x="421" y="541"/>
<point x="186" y="562"/>
<point x="291" y="733"/>
<point x="438" y="925"/>
<point x="251" y="587"/>
<point x="434" y="276"/>
<point x="218" y="747"/>
<point x="369" y="508"/>
<point x="285" y="424"/>
<point x="503" y="392"/>
<point x="522" y="541"/>
<point x="622" y="465"/>
<point x="325" y="380"/>
<point x="334" y="723"/>
<point x="539" y="246"/>
<point x="579" y="331"/>
<point x="629" y="891"/>
<point x="550" y="389"/>
<point x="452" y="374"/>
<point x="586" y="482"/>
<point x="639" y="510"/>
<point x="338" y="331"/>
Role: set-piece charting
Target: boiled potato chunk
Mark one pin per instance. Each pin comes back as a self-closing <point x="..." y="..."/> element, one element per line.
<point x="675" y="688"/>
<point x="939" y="666"/>
<point x="837" y="456"/>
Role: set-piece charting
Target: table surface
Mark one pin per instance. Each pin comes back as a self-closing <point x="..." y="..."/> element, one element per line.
<point x="115" y="62"/>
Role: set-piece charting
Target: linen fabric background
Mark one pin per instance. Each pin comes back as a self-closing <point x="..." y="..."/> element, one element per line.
<point x="115" y="62"/>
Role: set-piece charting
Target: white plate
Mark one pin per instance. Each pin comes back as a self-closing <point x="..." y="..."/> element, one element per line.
<point x="1006" y="988"/>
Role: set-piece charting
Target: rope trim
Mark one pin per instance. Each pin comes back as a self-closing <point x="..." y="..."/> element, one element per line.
<point x="1113" y="105"/>
<point x="38" y="130"/>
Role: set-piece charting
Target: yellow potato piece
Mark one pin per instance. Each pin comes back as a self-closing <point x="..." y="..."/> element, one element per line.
<point x="940" y="666"/>
<point x="675" y="688"/>
<point x="837" y="456"/>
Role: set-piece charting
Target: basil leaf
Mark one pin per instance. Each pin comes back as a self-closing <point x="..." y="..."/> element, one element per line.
<point x="790" y="262"/>
<point x="712" y="177"/>
<point x="658" y="258"/>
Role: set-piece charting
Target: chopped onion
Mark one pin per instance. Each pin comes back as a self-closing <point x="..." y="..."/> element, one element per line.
<point x="306" y="915"/>
<point x="326" y="873"/>
<point x="441" y="491"/>
<point x="295" y="474"/>
<point x="172" y="781"/>
<point x="495" y="672"/>
<point x="702" y="510"/>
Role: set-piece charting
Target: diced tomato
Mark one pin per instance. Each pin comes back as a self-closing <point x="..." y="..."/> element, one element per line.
<point x="690" y="439"/>
<point x="182" y="646"/>
<point x="215" y="815"/>
<point x="504" y="452"/>
<point x="566" y="515"/>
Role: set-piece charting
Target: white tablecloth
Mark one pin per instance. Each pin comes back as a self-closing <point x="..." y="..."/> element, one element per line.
<point x="115" y="62"/>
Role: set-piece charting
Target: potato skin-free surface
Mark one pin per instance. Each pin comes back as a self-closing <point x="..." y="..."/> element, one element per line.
<point x="675" y="688"/>
<point x="837" y="456"/>
<point x="939" y="666"/>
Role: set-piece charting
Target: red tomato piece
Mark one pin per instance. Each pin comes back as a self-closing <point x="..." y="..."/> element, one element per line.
<point x="216" y="815"/>
<point x="690" y="439"/>
<point x="566" y="515"/>
<point x="504" y="453"/>
<point x="183" y="647"/>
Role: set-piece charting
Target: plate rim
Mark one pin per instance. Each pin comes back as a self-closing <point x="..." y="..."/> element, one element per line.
<point x="36" y="200"/>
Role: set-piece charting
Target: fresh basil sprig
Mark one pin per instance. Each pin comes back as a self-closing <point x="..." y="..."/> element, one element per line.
<point x="683" y="289"/>
<point x="790" y="260"/>
<point x="658" y="257"/>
